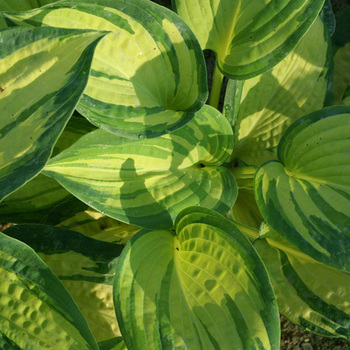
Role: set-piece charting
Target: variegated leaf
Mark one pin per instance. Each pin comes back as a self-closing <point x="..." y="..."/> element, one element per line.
<point x="36" y="311"/>
<point x="270" y="102"/>
<point x="204" y="287"/>
<point x="41" y="200"/>
<point x="43" y="72"/>
<point x="305" y="195"/>
<point x="84" y="265"/>
<point x="249" y="37"/>
<point x="311" y="295"/>
<point x="93" y="224"/>
<point x="148" y="75"/>
<point x="148" y="182"/>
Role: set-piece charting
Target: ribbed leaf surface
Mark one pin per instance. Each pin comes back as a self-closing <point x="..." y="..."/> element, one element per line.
<point x="148" y="182"/>
<point x="43" y="72"/>
<point x="305" y="196"/>
<point x="36" y="311"/>
<point x="312" y="295"/>
<point x="201" y="288"/>
<point x="270" y="102"/>
<point x="148" y="75"/>
<point x="84" y="265"/>
<point x="249" y="37"/>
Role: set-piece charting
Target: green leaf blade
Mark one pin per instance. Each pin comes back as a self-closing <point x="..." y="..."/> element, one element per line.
<point x="36" y="309"/>
<point x="148" y="76"/>
<point x="148" y="182"/>
<point x="305" y="196"/>
<point x="48" y="84"/>
<point x="190" y="290"/>
<point x="321" y="308"/>
<point x="248" y="38"/>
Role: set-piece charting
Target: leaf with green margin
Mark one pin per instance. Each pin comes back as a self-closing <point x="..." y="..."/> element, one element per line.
<point x="148" y="182"/>
<point x="305" y="195"/>
<point x="249" y="37"/>
<point x="148" y="75"/>
<point x="204" y="287"/>
<point x="19" y="5"/>
<point x="93" y="224"/>
<point x="341" y="48"/>
<point x="85" y="266"/>
<point x="270" y="102"/>
<point x="43" y="72"/>
<point x="42" y="200"/>
<point x="36" y="311"/>
<point x="311" y="295"/>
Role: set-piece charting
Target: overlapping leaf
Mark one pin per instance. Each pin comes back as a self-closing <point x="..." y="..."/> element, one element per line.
<point x="305" y="195"/>
<point x="43" y="72"/>
<point x="36" y="311"/>
<point x="249" y="37"/>
<point x="312" y="295"/>
<point x="269" y="103"/>
<point x="98" y="226"/>
<point x="204" y="287"/>
<point x="148" y="182"/>
<point x="148" y="75"/>
<point x="84" y="265"/>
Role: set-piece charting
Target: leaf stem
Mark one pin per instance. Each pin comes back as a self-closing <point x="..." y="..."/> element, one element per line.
<point x="216" y="86"/>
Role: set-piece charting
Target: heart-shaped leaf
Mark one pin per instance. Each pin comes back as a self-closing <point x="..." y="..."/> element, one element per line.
<point x="270" y="102"/>
<point x="249" y="37"/>
<point x="36" y="311"/>
<point x="311" y="295"/>
<point x="148" y="76"/>
<point x="84" y="265"/>
<point x="305" y="195"/>
<point x="43" y="72"/>
<point x="148" y="182"/>
<point x="204" y="287"/>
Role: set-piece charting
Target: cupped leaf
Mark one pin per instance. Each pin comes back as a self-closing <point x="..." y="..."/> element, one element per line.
<point x="148" y="75"/>
<point x="305" y="195"/>
<point x="43" y="72"/>
<point x="249" y="37"/>
<point x="311" y="295"/>
<point x="93" y="224"/>
<point x="84" y="265"/>
<point x="36" y="311"/>
<point x="261" y="109"/>
<point x="148" y="182"/>
<point x="204" y="287"/>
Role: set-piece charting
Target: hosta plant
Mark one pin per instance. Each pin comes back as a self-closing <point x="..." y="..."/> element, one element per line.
<point x="147" y="211"/>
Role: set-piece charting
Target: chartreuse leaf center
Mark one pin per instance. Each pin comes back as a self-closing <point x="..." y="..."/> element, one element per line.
<point x="201" y="288"/>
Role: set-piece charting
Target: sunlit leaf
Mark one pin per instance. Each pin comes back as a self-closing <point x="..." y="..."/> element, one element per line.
<point x="84" y="265"/>
<point x="305" y="195"/>
<point x="269" y="103"/>
<point x="201" y="288"/>
<point x="43" y="72"/>
<point x="249" y="37"/>
<point x="36" y="311"/>
<point x="148" y="182"/>
<point x="148" y="75"/>
<point x="311" y="295"/>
